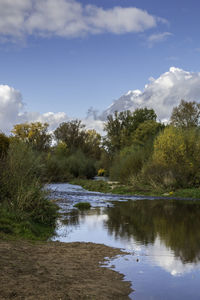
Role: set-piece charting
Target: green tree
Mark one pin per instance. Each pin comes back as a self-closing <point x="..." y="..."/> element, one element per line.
<point x="92" y="146"/>
<point x="35" y="134"/>
<point x="120" y="127"/>
<point x="4" y="145"/>
<point x="146" y="132"/>
<point x="186" y="114"/>
<point x="72" y="133"/>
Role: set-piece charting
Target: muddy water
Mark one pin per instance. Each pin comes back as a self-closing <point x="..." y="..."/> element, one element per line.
<point x="162" y="236"/>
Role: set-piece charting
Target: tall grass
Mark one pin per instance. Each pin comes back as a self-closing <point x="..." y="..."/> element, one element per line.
<point x="22" y="193"/>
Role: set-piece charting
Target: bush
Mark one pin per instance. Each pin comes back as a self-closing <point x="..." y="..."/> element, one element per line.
<point x="176" y="156"/>
<point x="81" y="166"/>
<point x="22" y="189"/>
<point x="83" y="205"/>
<point x="62" y="168"/>
<point x="158" y="176"/>
<point x="57" y="169"/>
<point x="128" y="164"/>
<point x="4" y="145"/>
<point x="101" y="172"/>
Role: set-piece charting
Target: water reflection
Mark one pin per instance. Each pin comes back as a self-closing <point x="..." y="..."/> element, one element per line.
<point x="163" y="237"/>
<point x="172" y="223"/>
<point x="175" y="223"/>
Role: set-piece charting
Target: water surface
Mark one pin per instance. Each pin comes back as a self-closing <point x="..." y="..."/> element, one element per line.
<point x="162" y="236"/>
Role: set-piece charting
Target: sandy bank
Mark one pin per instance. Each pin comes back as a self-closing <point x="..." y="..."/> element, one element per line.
<point x="58" y="271"/>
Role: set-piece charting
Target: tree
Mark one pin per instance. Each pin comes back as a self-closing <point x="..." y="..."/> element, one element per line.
<point x="4" y="145"/>
<point x="72" y="133"/>
<point x="186" y="114"/>
<point x="35" y="134"/>
<point x="178" y="151"/>
<point x="120" y="127"/>
<point x="93" y="144"/>
<point x="146" y="132"/>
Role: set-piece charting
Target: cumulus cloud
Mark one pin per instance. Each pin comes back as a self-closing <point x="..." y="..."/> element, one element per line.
<point x="69" y="18"/>
<point x="165" y="258"/>
<point x="10" y="107"/>
<point x="12" y="112"/>
<point x="161" y="94"/>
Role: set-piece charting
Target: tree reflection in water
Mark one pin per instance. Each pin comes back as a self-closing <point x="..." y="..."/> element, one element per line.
<point x="175" y="222"/>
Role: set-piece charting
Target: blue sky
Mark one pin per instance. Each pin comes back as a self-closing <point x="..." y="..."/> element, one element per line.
<point x="69" y="73"/>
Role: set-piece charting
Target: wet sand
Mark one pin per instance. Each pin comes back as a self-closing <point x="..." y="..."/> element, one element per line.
<point x="55" y="270"/>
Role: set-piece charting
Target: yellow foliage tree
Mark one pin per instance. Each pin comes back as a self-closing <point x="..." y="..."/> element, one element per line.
<point x="170" y="147"/>
<point x="36" y="134"/>
<point x="178" y="150"/>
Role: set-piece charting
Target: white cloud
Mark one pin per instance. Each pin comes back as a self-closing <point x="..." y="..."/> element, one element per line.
<point x="98" y="125"/>
<point x="161" y="94"/>
<point x="158" y="37"/>
<point x="69" y="18"/>
<point x="120" y="20"/>
<point x="13" y="16"/>
<point x="10" y="106"/>
<point x="12" y="112"/>
<point x="165" y="258"/>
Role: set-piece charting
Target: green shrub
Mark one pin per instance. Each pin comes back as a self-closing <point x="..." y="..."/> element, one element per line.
<point x="83" y="205"/>
<point x="158" y="176"/>
<point x="57" y="169"/>
<point x="4" y="145"/>
<point x="81" y="166"/>
<point x="128" y="164"/>
<point x="62" y="168"/>
<point x="22" y="189"/>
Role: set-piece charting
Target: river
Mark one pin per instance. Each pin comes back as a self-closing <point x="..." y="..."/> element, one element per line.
<point x="161" y="235"/>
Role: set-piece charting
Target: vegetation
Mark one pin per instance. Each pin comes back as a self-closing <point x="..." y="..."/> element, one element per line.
<point x="140" y="189"/>
<point x="34" y="134"/>
<point x="121" y="126"/>
<point x="173" y="222"/>
<point x="24" y="205"/>
<point x="141" y="154"/>
<point x="186" y="114"/>
<point x="83" y="205"/>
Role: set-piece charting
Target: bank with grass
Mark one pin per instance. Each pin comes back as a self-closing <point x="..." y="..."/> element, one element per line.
<point x="114" y="187"/>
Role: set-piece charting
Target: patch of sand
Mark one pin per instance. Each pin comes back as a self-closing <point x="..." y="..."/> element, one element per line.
<point x="58" y="271"/>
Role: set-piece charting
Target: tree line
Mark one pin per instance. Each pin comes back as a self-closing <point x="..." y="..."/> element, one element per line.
<point x="137" y="149"/>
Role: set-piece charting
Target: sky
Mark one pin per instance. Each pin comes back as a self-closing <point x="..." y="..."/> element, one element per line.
<point x="60" y="57"/>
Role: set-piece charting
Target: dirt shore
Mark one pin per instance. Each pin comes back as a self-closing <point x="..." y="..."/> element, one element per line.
<point x="58" y="271"/>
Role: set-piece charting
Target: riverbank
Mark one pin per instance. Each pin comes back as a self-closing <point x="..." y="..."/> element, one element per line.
<point x="117" y="188"/>
<point x="54" y="270"/>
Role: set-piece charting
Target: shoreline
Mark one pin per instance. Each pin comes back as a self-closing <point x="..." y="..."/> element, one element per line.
<point x="55" y="270"/>
<point x="116" y="188"/>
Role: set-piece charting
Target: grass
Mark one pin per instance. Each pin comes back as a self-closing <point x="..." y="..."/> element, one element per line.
<point x="114" y="188"/>
<point x="83" y="205"/>
<point x="188" y="193"/>
<point x="17" y="226"/>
